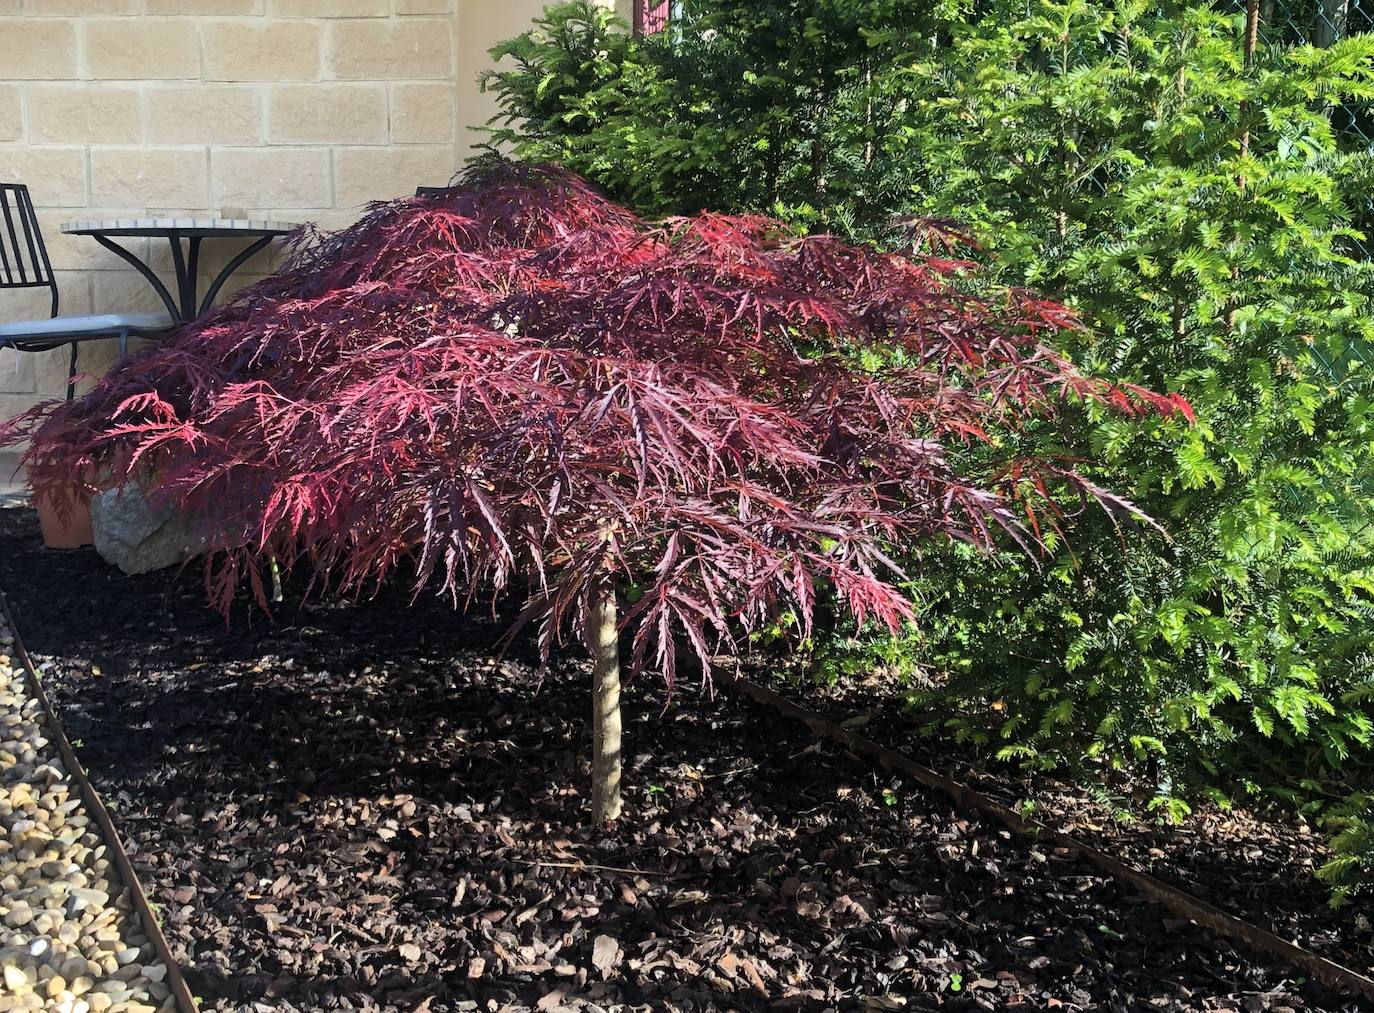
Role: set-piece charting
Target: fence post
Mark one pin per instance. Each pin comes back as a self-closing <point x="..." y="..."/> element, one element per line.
<point x="1332" y="16"/>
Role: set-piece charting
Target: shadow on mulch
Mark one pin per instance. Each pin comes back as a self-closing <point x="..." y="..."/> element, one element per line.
<point x="362" y="808"/>
<point x="1257" y="865"/>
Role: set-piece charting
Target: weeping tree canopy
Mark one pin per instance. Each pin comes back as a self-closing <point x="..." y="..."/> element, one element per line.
<point x="518" y="383"/>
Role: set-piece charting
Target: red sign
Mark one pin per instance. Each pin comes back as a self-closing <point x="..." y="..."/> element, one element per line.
<point x="652" y="16"/>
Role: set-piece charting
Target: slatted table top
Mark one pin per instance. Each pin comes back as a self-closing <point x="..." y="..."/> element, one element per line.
<point x="190" y="227"/>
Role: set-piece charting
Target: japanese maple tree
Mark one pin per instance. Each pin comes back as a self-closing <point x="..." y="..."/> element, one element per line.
<point x="517" y="384"/>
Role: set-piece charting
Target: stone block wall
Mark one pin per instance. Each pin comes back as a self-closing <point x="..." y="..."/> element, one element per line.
<point x="300" y="110"/>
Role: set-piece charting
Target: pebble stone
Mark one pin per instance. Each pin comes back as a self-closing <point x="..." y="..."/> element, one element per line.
<point x="70" y="940"/>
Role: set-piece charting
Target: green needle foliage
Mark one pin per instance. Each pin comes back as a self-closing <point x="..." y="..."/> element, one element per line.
<point x="1351" y="872"/>
<point x="1201" y="214"/>
<point x="770" y="106"/>
<point x="1204" y="209"/>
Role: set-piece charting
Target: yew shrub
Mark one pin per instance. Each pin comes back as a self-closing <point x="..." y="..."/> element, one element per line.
<point x="518" y="385"/>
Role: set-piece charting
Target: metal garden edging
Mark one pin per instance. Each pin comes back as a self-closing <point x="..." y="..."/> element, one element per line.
<point x="176" y="982"/>
<point x="1183" y="904"/>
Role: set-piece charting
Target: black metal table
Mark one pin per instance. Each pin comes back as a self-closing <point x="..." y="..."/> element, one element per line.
<point x="187" y="304"/>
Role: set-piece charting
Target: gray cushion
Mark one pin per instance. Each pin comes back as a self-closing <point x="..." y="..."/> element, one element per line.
<point x="90" y="326"/>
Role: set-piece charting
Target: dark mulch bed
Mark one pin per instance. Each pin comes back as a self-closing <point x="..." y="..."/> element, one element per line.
<point x="358" y="807"/>
<point x="1257" y="865"/>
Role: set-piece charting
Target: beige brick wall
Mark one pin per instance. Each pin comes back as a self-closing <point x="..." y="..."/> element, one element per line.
<point x="300" y="110"/>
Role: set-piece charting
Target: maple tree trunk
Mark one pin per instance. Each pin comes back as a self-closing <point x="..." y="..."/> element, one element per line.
<point x="604" y="643"/>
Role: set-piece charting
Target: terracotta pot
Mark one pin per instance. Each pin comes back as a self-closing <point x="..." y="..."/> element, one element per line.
<point x="71" y="529"/>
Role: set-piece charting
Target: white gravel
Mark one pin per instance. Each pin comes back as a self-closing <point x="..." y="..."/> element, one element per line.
<point x="69" y="938"/>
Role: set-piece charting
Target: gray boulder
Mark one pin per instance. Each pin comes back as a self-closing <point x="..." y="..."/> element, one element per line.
<point x="138" y="538"/>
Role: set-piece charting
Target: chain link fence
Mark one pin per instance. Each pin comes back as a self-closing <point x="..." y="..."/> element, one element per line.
<point x="1320" y="22"/>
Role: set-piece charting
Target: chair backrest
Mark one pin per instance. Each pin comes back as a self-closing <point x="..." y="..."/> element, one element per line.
<point x="23" y="257"/>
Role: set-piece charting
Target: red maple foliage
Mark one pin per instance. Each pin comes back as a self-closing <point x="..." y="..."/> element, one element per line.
<point x="519" y="381"/>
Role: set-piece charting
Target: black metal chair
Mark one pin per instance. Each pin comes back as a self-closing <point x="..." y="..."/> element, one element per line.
<point x="24" y="264"/>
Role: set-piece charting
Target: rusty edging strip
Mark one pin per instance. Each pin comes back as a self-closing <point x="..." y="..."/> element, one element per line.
<point x="176" y="983"/>
<point x="1185" y="905"/>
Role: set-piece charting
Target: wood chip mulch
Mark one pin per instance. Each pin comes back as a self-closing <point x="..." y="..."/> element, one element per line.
<point x="363" y="808"/>
<point x="1254" y="863"/>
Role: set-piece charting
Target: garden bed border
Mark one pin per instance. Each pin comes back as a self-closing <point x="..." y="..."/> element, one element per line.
<point x="1178" y="901"/>
<point x="176" y="981"/>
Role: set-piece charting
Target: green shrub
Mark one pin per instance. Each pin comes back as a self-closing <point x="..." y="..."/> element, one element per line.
<point x="1199" y="214"/>
<point x="1351" y="871"/>
<point x="759" y="105"/>
<point x="1200" y="209"/>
